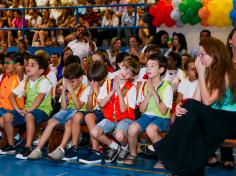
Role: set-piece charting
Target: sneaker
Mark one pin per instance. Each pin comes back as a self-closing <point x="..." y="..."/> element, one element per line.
<point x="122" y="156"/>
<point x="18" y="139"/>
<point x="24" y="153"/>
<point x="35" y="154"/>
<point x="91" y="158"/>
<point x="71" y="154"/>
<point x="36" y="142"/>
<point x="8" y="149"/>
<point x="112" y="153"/>
<point x="57" y="154"/>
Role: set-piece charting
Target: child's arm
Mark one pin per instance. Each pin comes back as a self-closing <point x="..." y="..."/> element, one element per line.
<point x="63" y="95"/>
<point x="143" y="105"/>
<point x="160" y="104"/>
<point x="12" y="98"/>
<point x="121" y="97"/>
<point x="94" y="91"/>
<point x="104" y="101"/>
<point x="37" y="102"/>
<point x="179" y="97"/>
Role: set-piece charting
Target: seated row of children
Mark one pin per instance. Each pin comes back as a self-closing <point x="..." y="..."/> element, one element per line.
<point x="105" y="106"/>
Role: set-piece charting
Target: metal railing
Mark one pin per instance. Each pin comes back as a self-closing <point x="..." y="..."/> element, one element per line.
<point x="134" y="27"/>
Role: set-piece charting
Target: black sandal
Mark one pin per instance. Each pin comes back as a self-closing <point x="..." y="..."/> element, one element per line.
<point x="130" y="160"/>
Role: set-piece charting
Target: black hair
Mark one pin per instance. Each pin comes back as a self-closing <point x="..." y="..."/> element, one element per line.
<point x="73" y="71"/>
<point x="207" y="31"/>
<point x="17" y="58"/>
<point x="157" y="39"/>
<point x="42" y="62"/>
<point x="2" y="58"/>
<point x="120" y="57"/>
<point x="96" y="71"/>
<point x="55" y="54"/>
<point x="176" y="57"/>
<point x="162" y="60"/>
<point x="72" y="59"/>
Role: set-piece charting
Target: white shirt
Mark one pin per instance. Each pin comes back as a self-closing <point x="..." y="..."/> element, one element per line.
<point x="44" y="87"/>
<point x="130" y="98"/>
<point x="52" y="78"/>
<point x="42" y="3"/>
<point x="187" y="88"/>
<point x="81" y="49"/>
<point x="174" y="77"/>
<point x="35" y="22"/>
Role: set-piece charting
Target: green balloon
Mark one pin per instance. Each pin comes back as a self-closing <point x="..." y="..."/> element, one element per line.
<point x="184" y="19"/>
<point x="183" y="7"/>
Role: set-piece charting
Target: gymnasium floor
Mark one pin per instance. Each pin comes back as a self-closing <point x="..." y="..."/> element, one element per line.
<point x="45" y="167"/>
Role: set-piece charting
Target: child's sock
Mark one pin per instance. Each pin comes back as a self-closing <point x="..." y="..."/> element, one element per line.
<point x="124" y="147"/>
<point x="114" y="145"/>
<point x="17" y="136"/>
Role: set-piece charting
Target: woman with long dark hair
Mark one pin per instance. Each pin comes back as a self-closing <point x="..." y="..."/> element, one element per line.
<point x="202" y="124"/>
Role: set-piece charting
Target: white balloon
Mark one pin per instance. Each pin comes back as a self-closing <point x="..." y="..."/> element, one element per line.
<point x="175" y="14"/>
<point x="176" y="3"/>
<point x="179" y="23"/>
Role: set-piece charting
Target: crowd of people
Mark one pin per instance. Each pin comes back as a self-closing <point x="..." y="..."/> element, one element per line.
<point x="66" y="18"/>
<point x="119" y="95"/>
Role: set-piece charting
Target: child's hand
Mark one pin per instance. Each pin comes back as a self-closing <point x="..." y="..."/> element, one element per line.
<point x="95" y="87"/>
<point x="180" y="111"/>
<point x="21" y="112"/>
<point x="117" y="85"/>
<point x="151" y="89"/>
<point x="69" y="86"/>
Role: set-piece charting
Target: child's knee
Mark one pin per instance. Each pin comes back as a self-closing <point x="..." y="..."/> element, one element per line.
<point x="133" y="129"/>
<point x="151" y="130"/>
<point x="8" y="118"/>
<point x="90" y="118"/>
<point x="120" y="136"/>
<point x="78" y="117"/>
<point x="96" y="132"/>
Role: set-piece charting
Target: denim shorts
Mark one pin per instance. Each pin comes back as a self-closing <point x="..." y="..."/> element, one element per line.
<point x="3" y="111"/>
<point x="145" y="120"/>
<point x="64" y="115"/>
<point x="38" y="115"/>
<point x="108" y="126"/>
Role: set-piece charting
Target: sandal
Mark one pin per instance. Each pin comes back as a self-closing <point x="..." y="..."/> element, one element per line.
<point x="159" y="165"/>
<point x="130" y="160"/>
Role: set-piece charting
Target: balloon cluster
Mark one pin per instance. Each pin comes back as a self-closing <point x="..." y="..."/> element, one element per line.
<point x="204" y="13"/>
<point x="175" y="14"/>
<point x="233" y="13"/>
<point x="181" y="12"/>
<point x="189" y="10"/>
<point x="161" y="13"/>
<point x="219" y="12"/>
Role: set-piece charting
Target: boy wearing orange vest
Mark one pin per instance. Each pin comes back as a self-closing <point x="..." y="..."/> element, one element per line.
<point x="9" y="81"/>
<point x="117" y="97"/>
<point x="155" y="102"/>
<point x="37" y="107"/>
<point x="70" y="104"/>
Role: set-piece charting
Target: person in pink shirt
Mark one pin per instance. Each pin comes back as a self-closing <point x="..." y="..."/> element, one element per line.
<point x="17" y="22"/>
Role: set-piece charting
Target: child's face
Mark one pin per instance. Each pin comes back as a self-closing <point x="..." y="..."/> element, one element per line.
<point x="9" y="65"/>
<point x="191" y="71"/>
<point x="153" y="69"/>
<point x="32" y="69"/>
<point x="96" y="57"/>
<point x="75" y="82"/>
<point x="125" y="73"/>
<point x="171" y="64"/>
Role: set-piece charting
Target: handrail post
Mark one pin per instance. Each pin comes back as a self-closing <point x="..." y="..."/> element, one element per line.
<point x="24" y="23"/>
<point x="77" y="16"/>
<point x="135" y="19"/>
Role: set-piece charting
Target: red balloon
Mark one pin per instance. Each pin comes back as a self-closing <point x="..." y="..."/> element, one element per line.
<point x="153" y="9"/>
<point x="156" y="22"/>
